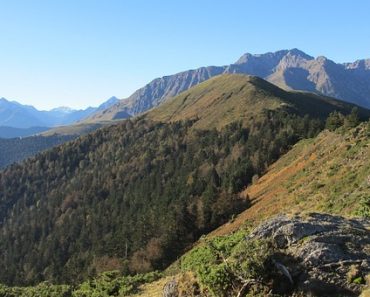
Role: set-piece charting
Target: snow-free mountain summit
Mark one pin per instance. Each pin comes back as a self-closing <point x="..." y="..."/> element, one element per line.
<point x="289" y="69"/>
<point x="18" y="120"/>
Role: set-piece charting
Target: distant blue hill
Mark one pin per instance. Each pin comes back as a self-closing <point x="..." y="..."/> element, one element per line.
<point x="29" y="119"/>
<point x="11" y="132"/>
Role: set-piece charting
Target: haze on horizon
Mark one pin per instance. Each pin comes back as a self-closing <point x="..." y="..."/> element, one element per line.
<point x="80" y="53"/>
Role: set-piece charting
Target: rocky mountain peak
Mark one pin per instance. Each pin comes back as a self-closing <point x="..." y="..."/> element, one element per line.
<point x="359" y="65"/>
<point x="321" y="59"/>
<point x="290" y="69"/>
<point x="299" y="53"/>
<point x="248" y="58"/>
<point x="273" y="56"/>
<point x="63" y="109"/>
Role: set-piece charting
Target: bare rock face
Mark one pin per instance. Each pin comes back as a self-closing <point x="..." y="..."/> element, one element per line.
<point x="325" y="255"/>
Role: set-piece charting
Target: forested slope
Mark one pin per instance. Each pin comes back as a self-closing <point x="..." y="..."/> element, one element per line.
<point x="133" y="196"/>
<point x="328" y="173"/>
<point x="17" y="149"/>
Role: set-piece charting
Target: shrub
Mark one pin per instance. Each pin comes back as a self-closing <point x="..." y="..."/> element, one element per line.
<point x="225" y="263"/>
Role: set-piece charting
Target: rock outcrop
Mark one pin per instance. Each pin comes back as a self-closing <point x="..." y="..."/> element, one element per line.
<point x="312" y="255"/>
<point x="325" y="255"/>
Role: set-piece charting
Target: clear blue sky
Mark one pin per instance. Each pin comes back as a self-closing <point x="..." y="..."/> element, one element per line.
<point x="80" y="52"/>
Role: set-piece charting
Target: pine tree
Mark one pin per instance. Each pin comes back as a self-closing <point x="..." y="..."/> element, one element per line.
<point x="334" y="121"/>
<point x="352" y="120"/>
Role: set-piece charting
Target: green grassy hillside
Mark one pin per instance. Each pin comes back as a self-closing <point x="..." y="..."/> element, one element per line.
<point x="223" y="99"/>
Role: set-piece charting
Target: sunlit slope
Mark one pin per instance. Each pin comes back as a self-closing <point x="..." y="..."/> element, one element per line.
<point x="77" y="129"/>
<point x="226" y="98"/>
<point x="330" y="173"/>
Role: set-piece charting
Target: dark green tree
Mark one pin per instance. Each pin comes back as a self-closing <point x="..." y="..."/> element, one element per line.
<point x="352" y="120"/>
<point x="334" y="121"/>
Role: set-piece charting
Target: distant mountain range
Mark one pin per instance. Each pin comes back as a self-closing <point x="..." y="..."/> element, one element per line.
<point x="18" y="120"/>
<point x="220" y="100"/>
<point x="288" y="69"/>
<point x="11" y="132"/>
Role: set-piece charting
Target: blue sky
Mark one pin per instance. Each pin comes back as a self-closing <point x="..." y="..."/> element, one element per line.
<point x="80" y="52"/>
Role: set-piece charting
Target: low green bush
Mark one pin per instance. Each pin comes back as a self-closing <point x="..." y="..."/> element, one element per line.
<point x="107" y="284"/>
<point x="225" y="263"/>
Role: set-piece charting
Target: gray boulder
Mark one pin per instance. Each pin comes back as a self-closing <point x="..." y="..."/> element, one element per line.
<point x="170" y="289"/>
<point x="325" y="255"/>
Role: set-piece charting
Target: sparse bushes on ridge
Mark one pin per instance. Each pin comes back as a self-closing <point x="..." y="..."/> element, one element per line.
<point x="108" y="284"/>
<point x="336" y="120"/>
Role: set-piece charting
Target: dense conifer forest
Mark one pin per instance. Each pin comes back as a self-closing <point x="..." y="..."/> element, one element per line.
<point x="133" y="196"/>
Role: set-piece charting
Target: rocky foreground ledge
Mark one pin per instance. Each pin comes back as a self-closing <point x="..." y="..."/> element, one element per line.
<point x="316" y="255"/>
<point x="324" y="254"/>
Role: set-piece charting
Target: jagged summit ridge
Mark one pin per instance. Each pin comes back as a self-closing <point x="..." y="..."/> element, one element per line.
<point x="290" y="69"/>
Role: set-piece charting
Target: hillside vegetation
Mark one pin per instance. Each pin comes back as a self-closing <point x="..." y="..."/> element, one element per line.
<point x="157" y="187"/>
<point x="213" y="104"/>
<point x="290" y="186"/>
<point x="133" y="196"/>
<point x="20" y="148"/>
<point x="329" y="173"/>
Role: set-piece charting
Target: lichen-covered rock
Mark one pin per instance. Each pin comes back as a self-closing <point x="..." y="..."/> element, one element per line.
<point x="170" y="289"/>
<point x="326" y="255"/>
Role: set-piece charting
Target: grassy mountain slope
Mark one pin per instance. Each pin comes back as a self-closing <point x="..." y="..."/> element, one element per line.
<point x="77" y="129"/>
<point x="134" y="195"/>
<point x="329" y="173"/>
<point x="218" y="101"/>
